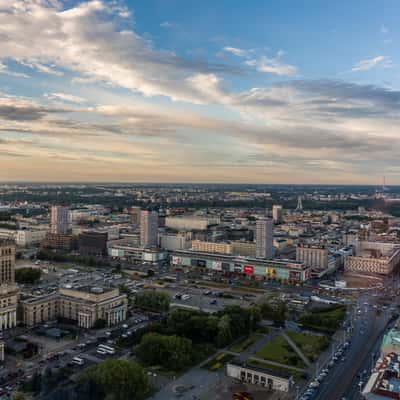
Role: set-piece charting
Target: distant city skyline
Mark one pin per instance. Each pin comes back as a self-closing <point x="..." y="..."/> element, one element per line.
<point x="189" y="91"/>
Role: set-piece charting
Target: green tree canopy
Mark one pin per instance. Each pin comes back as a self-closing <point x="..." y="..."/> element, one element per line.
<point x="114" y="379"/>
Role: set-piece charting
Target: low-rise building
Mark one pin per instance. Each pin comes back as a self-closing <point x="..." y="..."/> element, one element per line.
<point x="269" y="379"/>
<point x="374" y="258"/>
<point x="84" y="305"/>
<point x="277" y="269"/>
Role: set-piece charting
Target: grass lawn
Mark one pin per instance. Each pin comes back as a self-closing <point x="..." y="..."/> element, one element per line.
<point x="218" y="361"/>
<point x="297" y="375"/>
<point x="326" y="319"/>
<point x="310" y="345"/>
<point x="245" y="343"/>
<point x="280" y="351"/>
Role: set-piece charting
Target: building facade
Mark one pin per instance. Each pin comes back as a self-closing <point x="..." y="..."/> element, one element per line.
<point x="149" y="229"/>
<point x="271" y="380"/>
<point x="84" y="305"/>
<point x="264" y="238"/>
<point x="59" y="220"/>
<point x="256" y="268"/>
<point x="277" y="213"/>
<point x="313" y="256"/>
<point x="8" y="289"/>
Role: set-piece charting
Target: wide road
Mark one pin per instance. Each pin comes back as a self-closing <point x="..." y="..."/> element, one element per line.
<point x="368" y="328"/>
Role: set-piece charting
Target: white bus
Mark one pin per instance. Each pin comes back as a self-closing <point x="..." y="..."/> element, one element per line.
<point x="107" y="349"/>
<point x="101" y="351"/>
<point x="78" y="361"/>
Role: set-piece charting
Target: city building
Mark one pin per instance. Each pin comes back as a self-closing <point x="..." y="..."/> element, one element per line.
<point x="190" y="223"/>
<point x="313" y="256"/>
<point x="256" y="268"/>
<point x="264" y="238"/>
<point x="374" y="258"/>
<point x="135" y="215"/>
<point x="211" y="247"/>
<point x="277" y="213"/>
<point x="85" y="305"/>
<point x="59" y="220"/>
<point x="8" y="289"/>
<point x="384" y="382"/>
<point x="149" y="229"/>
<point x="92" y="243"/>
<point x="58" y="241"/>
<point x="175" y="241"/>
<point x="243" y="248"/>
<point x="272" y="380"/>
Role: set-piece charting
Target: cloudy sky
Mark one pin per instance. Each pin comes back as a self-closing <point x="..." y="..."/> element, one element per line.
<point x="200" y="91"/>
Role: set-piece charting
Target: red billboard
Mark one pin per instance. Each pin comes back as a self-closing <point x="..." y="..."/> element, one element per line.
<point x="248" y="269"/>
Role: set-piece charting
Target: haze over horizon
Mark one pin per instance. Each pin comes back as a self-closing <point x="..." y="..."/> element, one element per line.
<point x="189" y="91"/>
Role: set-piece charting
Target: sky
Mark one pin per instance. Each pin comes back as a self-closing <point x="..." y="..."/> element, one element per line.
<point x="200" y="91"/>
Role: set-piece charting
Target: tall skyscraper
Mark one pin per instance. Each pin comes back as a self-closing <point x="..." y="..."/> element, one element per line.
<point x="277" y="213"/>
<point x="59" y="220"/>
<point x="148" y="228"/>
<point x="135" y="215"/>
<point x="265" y="238"/>
<point x="8" y="288"/>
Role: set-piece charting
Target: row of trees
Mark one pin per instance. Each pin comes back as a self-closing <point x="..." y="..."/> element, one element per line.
<point x="49" y="255"/>
<point x="113" y="379"/>
<point x="153" y="301"/>
<point x="276" y="312"/>
<point x="172" y="352"/>
<point x="27" y="275"/>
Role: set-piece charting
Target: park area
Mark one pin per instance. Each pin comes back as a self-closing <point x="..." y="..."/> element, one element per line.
<point x="326" y="319"/>
<point x="310" y="345"/>
<point x="280" y="351"/>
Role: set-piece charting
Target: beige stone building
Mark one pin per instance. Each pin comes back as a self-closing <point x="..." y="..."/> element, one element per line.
<point x="8" y="288"/>
<point x="84" y="305"/>
<point x="211" y="247"/>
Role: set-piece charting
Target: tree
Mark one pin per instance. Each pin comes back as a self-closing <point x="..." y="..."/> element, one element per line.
<point x="27" y="275"/>
<point x="114" y="379"/>
<point x="172" y="352"/>
<point x="224" y="336"/>
<point x="18" y="396"/>
<point x="153" y="301"/>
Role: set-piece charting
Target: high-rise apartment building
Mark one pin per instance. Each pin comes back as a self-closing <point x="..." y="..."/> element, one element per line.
<point x="277" y="213"/>
<point x="265" y="238"/>
<point x="8" y="289"/>
<point x="59" y="220"/>
<point x="149" y="228"/>
<point x="135" y="215"/>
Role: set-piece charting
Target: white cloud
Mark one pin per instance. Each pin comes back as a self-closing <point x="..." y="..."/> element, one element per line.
<point x="86" y="39"/>
<point x="4" y="70"/>
<point x="272" y="65"/>
<point x="369" y="63"/>
<point x="167" y="25"/>
<point x="235" y="51"/>
<point x="66" y="97"/>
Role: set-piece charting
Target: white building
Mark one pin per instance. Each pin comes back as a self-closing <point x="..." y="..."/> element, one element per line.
<point x="59" y="220"/>
<point x="29" y="237"/>
<point x="265" y="238"/>
<point x="260" y="376"/>
<point x="190" y="223"/>
<point x="149" y="228"/>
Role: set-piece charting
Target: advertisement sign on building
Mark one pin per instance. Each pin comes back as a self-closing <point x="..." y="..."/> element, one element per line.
<point x="248" y="269"/>
<point x="238" y="268"/>
<point x="217" y="266"/>
<point x="176" y="260"/>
